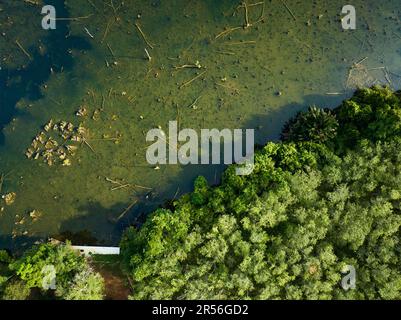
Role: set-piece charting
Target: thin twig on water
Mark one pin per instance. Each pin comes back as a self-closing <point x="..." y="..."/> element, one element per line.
<point x="143" y="35"/>
<point x="185" y="84"/>
<point x="289" y="10"/>
<point x="126" y="211"/>
<point x="88" y="145"/>
<point x="73" y="19"/>
<point x="19" y="45"/>
<point x="226" y="32"/>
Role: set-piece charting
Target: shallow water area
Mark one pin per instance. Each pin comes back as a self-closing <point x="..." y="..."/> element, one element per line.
<point x="203" y="68"/>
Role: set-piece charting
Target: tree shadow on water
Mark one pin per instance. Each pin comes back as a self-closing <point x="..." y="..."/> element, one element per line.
<point x="18" y="244"/>
<point x="95" y="224"/>
<point x="268" y="127"/>
<point x="25" y="82"/>
<point x="108" y="224"/>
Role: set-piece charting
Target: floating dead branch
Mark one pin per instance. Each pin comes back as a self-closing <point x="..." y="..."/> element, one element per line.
<point x="112" y="181"/>
<point x="35" y="3"/>
<point x="3" y="178"/>
<point x="240" y="43"/>
<point x="226" y="32"/>
<point x="93" y="5"/>
<point x="148" y="55"/>
<point x="387" y="76"/>
<point x="231" y="88"/>
<point x="128" y="209"/>
<point x="111" y="51"/>
<point x="185" y="84"/>
<point x="105" y="139"/>
<point x="106" y="31"/>
<point x="115" y="9"/>
<point x="397" y="35"/>
<point x="196" y="65"/>
<point x="246" y="6"/>
<point x="55" y="101"/>
<point x="73" y="19"/>
<point x="247" y="24"/>
<point x="335" y="93"/>
<point x="360" y="61"/>
<point x="303" y="43"/>
<point x="289" y="10"/>
<point x="88" y="145"/>
<point x="143" y="35"/>
<point x="1" y="181"/>
<point x="178" y="116"/>
<point x="193" y="104"/>
<point x="19" y="45"/>
<point x="262" y="13"/>
<point x="359" y="76"/>
<point x="228" y="53"/>
<point x="395" y="74"/>
<point x="118" y="185"/>
<point x="377" y="68"/>
<point x="256" y="4"/>
<point x="88" y="33"/>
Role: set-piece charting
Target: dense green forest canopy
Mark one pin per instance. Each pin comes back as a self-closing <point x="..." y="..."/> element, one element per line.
<point x="326" y="197"/>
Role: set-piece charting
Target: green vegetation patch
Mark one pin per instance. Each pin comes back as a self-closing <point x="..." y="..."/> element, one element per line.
<point x="53" y="268"/>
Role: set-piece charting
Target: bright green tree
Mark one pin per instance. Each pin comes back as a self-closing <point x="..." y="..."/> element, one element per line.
<point x="74" y="278"/>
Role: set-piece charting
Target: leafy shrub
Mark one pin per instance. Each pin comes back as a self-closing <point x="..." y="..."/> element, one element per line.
<point x="86" y="285"/>
<point x="4" y="257"/>
<point x="70" y="271"/>
<point x="31" y="266"/>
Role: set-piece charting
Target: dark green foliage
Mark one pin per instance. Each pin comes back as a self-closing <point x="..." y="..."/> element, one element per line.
<point x="373" y="114"/>
<point x="316" y="125"/>
<point x="199" y="196"/>
<point x="4" y="257"/>
<point x="5" y="272"/>
<point x="65" y="261"/>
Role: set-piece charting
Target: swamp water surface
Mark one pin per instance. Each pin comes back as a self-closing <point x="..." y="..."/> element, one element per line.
<point x="294" y="54"/>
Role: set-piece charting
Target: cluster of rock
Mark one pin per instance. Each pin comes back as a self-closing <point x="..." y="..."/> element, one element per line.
<point x="21" y="223"/>
<point x="8" y="199"/>
<point x="57" y="144"/>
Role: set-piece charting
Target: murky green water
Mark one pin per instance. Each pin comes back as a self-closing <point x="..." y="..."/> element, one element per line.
<point x="255" y="77"/>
